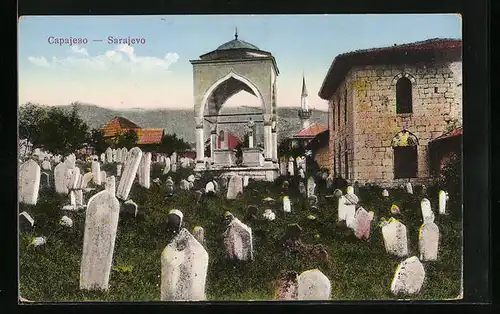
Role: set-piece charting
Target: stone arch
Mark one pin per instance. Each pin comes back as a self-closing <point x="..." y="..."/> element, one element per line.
<point x="404" y="74"/>
<point x="223" y="79"/>
<point x="404" y="138"/>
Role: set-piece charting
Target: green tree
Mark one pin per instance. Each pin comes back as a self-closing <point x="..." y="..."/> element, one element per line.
<point x="171" y="143"/>
<point x="30" y="123"/>
<point x="97" y="141"/>
<point x="128" y="139"/>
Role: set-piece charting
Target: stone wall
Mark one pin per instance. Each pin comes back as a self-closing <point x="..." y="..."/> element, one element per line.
<point x="372" y="121"/>
<point x="322" y="158"/>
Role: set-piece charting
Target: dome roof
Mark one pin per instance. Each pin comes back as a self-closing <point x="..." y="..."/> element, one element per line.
<point x="237" y="44"/>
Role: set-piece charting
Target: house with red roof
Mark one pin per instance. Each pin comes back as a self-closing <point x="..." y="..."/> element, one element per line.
<point x="386" y="105"/>
<point x="119" y="125"/>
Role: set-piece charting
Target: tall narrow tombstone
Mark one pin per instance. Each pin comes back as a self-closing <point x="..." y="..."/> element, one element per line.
<point x="184" y="265"/>
<point x="101" y="222"/>
<point x="291" y="171"/>
<point x="109" y="155"/>
<point x="60" y="178"/>
<point x="129" y="173"/>
<point x="395" y="238"/>
<point x="110" y="185"/>
<point x="235" y="187"/>
<point x="427" y="213"/>
<point x="167" y="166"/>
<point x="169" y="186"/>
<point x="114" y="155"/>
<point x="29" y="182"/>
<point x="311" y="186"/>
<point x="96" y="172"/>
<point x="145" y="170"/>
<point x="409" y="277"/>
<point x="245" y="181"/>
<point x="79" y="197"/>
<point x="72" y="177"/>
<point x="301" y="173"/>
<point x="283" y="168"/>
<point x="287" y="206"/>
<point x="125" y="155"/>
<point x="313" y="285"/>
<point x="44" y="180"/>
<point x="238" y="241"/>
<point x="442" y="202"/>
<point x="119" y="157"/>
<point x="409" y="188"/>
<point x="428" y="241"/>
<point x="103" y="158"/>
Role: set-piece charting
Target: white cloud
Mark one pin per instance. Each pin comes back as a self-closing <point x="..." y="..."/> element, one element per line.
<point x="122" y="57"/>
<point x="39" y="61"/>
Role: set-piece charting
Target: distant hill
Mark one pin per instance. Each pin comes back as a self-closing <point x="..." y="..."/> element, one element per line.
<point x="182" y="123"/>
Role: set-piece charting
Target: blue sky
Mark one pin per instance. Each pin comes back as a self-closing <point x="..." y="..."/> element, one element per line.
<point x="158" y="73"/>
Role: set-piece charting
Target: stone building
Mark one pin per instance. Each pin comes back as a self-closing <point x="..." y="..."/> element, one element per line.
<point x="387" y="104"/>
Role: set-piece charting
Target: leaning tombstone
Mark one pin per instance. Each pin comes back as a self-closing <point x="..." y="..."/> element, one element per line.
<point x="101" y="223"/>
<point x="427" y="213"/>
<point x="313" y="285"/>
<point x="409" y="277"/>
<point x="29" y="182"/>
<point x="428" y="241"/>
<point x="174" y="220"/>
<point x="238" y="241"/>
<point x="184" y="265"/>
<point x="395" y="238"/>
<point x="129" y="174"/>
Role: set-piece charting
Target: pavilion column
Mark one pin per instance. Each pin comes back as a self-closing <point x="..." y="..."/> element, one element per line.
<point x="213" y="143"/>
<point x="274" y="137"/>
<point x="267" y="141"/>
<point x="200" y="152"/>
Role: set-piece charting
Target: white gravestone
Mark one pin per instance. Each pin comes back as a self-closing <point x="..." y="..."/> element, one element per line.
<point x="238" y="241"/>
<point x="313" y="285"/>
<point x="385" y="193"/>
<point x="235" y="187"/>
<point x="103" y="158"/>
<point x="109" y="155"/>
<point x="110" y="185"/>
<point x="210" y="188"/>
<point x="290" y="167"/>
<point x="427" y="213"/>
<point x="129" y="173"/>
<point x="46" y="165"/>
<point x="395" y="238"/>
<point x="167" y="166"/>
<point x="103" y="176"/>
<point x="60" y="178"/>
<point x="409" y="188"/>
<point x="119" y="157"/>
<point x="199" y="234"/>
<point x="311" y="186"/>
<point x="145" y="170"/>
<point x="125" y="155"/>
<point x="245" y="181"/>
<point x="287" y="206"/>
<point x="442" y="202"/>
<point x="101" y="222"/>
<point x="96" y="172"/>
<point x="70" y="161"/>
<point x="86" y="179"/>
<point x="302" y="174"/>
<point x="184" y="265"/>
<point x="29" y="182"/>
<point x="428" y="241"/>
<point x="409" y="277"/>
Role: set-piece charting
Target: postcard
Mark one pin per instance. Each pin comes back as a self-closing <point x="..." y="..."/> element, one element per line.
<point x="240" y="158"/>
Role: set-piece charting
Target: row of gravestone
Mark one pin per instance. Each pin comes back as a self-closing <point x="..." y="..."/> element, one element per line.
<point x="288" y="168"/>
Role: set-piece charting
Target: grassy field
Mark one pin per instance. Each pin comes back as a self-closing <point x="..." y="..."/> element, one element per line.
<point x="358" y="269"/>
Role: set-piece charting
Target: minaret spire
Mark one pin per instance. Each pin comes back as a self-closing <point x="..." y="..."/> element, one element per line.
<point x="304" y="88"/>
<point x="304" y="113"/>
<point x="236" y="33"/>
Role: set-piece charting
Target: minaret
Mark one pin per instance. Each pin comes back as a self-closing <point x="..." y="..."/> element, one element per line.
<point x="304" y="113"/>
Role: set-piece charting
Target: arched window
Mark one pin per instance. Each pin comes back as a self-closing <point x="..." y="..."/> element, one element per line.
<point x="405" y="155"/>
<point x="403" y="95"/>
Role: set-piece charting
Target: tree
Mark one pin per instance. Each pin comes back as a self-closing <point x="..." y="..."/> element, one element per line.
<point x="170" y="143"/>
<point x="128" y="139"/>
<point x="53" y="129"/>
<point x="97" y="141"/>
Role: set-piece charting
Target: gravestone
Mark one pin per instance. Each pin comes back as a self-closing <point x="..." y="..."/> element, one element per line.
<point x="216" y="185"/>
<point x="442" y="202"/>
<point x="184" y="185"/>
<point x="302" y="174"/>
<point x="283" y="168"/>
<point x="26" y="222"/>
<point x="245" y="181"/>
<point x="428" y="241"/>
<point x="311" y="186"/>
<point x="427" y="213"/>
<point x="409" y="188"/>
<point x="210" y="188"/>
<point x="119" y="157"/>
<point x="166" y="170"/>
<point x="129" y="208"/>
<point x="110" y="185"/>
<point x="235" y="187"/>
<point x="44" y="180"/>
<point x="395" y="238"/>
<point x="350" y="197"/>
<point x="409" y="277"/>
<point x="363" y="222"/>
<point x="291" y="171"/>
<point x="86" y="178"/>
<point x="109" y="155"/>
<point x="313" y="285"/>
<point x="238" y="241"/>
<point x="46" y="165"/>
<point x="96" y="172"/>
<point x="385" y="193"/>
<point x="144" y="170"/>
<point x="70" y="161"/>
<point x="103" y="176"/>
<point x="337" y="193"/>
<point x="302" y="189"/>
<point x="174" y="220"/>
<point x="101" y="222"/>
<point x="60" y="180"/>
<point x="184" y="265"/>
<point x="125" y="155"/>
<point x="169" y="187"/>
<point x="29" y="182"/>
<point x="129" y="174"/>
<point x="287" y="206"/>
<point x="313" y="200"/>
<point x="103" y="158"/>
<point x="199" y="234"/>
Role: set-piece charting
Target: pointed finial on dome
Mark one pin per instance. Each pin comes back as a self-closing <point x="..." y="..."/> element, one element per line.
<point x="236" y="33"/>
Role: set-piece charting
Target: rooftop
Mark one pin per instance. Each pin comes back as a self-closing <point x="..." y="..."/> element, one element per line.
<point x="427" y="50"/>
<point x="118" y="124"/>
<point x="311" y="131"/>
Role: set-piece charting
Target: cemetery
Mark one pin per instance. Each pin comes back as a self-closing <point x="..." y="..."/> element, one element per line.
<point x="124" y="226"/>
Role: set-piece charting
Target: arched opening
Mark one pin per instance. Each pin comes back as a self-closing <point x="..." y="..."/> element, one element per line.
<point x="405" y="145"/>
<point x="404" y="95"/>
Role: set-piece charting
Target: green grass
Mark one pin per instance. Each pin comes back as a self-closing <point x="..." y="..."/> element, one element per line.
<point x="358" y="269"/>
